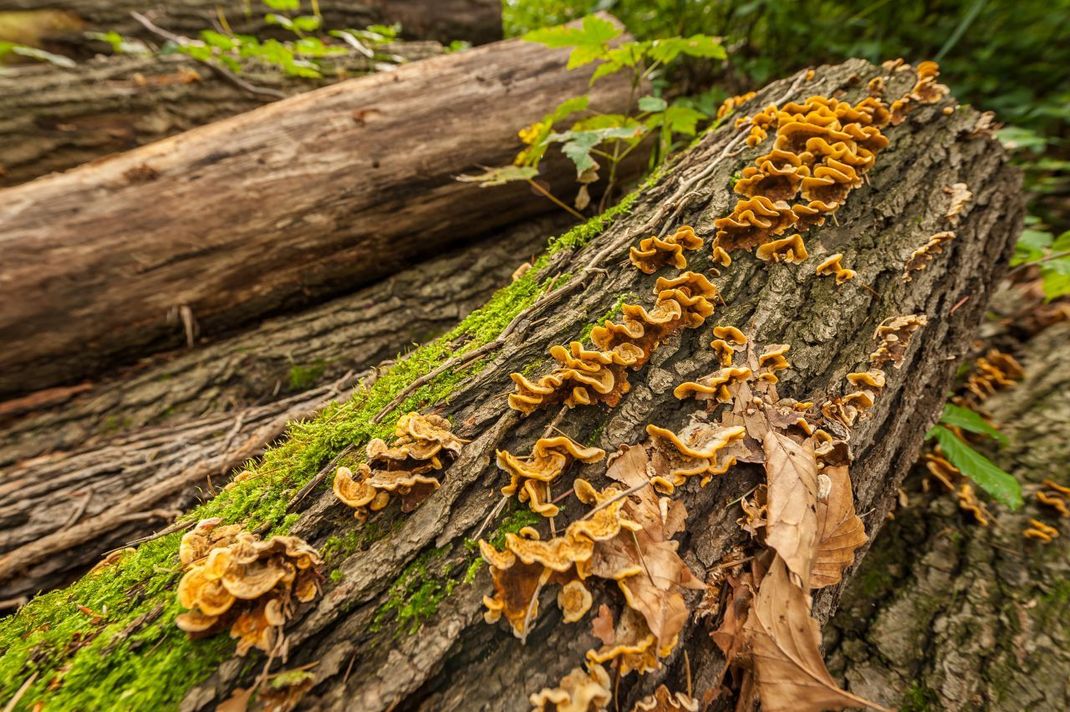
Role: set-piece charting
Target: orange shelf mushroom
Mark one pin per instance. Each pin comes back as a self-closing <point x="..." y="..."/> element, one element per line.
<point x="753" y="222"/>
<point x="923" y="256"/>
<point x="533" y="475"/>
<point x="714" y="386"/>
<point x="993" y="372"/>
<point x="653" y="253"/>
<point x="699" y="447"/>
<point x="588" y="376"/>
<point x="579" y="691"/>
<point x="422" y="446"/>
<point x="242" y="580"/>
<point x="1040" y="531"/>
<point x="893" y="336"/>
<point x="788" y="249"/>
<point x="968" y="502"/>
<point x="833" y="267"/>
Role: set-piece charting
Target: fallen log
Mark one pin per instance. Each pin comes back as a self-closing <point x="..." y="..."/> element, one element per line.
<point x="947" y="614"/>
<point x="132" y="453"/>
<point x="400" y="623"/>
<point x="274" y="209"/>
<point x="476" y="21"/>
<point x="53" y="119"/>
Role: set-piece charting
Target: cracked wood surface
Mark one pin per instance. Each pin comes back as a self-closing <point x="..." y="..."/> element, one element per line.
<point x="456" y="661"/>
<point x="948" y="615"/>
<point x="53" y="119"/>
<point x="122" y="459"/>
<point x="274" y="209"/>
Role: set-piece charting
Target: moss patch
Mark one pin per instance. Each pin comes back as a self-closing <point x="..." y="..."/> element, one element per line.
<point x="304" y="377"/>
<point x="134" y="657"/>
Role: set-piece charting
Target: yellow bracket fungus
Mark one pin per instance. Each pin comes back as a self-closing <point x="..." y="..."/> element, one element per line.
<point x="532" y="476"/>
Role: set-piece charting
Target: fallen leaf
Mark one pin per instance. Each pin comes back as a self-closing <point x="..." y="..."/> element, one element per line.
<point x="784" y="640"/>
<point x="791" y="526"/>
<point x="602" y="625"/>
<point x="237" y="702"/>
<point x="839" y="530"/>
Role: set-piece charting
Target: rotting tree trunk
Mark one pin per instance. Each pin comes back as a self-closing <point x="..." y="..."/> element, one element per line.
<point x="477" y="21"/>
<point x="116" y="462"/>
<point x="360" y="633"/>
<point x="273" y="209"/>
<point x="52" y="119"/>
<point x="947" y="615"/>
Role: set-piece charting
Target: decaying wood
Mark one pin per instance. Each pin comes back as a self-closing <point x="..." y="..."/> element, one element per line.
<point x="477" y="21"/>
<point x="945" y="614"/>
<point x="457" y="661"/>
<point x="273" y="209"/>
<point x="117" y="461"/>
<point x="53" y="118"/>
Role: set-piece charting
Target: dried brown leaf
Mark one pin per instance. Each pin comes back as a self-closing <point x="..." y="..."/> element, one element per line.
<point x="839" y="530"/>
<point x="791" y="528"/>
<point x="785" y="641"/>
<point x="602" y="625"/>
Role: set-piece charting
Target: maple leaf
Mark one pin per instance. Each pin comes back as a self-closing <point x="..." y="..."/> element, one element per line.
<point x="784" y="641"/>
<point x="839" y="530"/>
<point x="791" y="527"/>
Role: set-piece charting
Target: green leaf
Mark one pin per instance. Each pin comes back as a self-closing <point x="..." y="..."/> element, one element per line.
<point x="308" y="23"/>
<point x="568" y="107"/>
<point x="217" y="39"/>
<point x="284" y="5"/>
<point x="42" y="56"/>
<point x="1031" y="246"/>
<point x="280" y="20"/>
<point x="500" y="176"/>
<point x="1056" y="278"/>
<point x="666" y="50"/>
<point x="970" y="420"/>
<point x="652" y="104"/>
<point x="592" y="31"/>
<point x="678" y="119"/>
<point x="985" y="474"/>
<point x="1061" y="243"/>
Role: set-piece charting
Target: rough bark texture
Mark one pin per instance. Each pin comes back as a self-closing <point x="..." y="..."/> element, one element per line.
<point x="113" y="463"/>
<point x="946" y="615"/>
<point x="52" y="119"/>
<point x="360" y="631"/>
<point x="477" y="21"/>
<point x="287" y="204"/>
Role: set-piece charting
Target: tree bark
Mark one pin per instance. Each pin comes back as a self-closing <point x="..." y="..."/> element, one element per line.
<point x="946" y="615"/>
<point x="273" y="209"/>
<point x="87" y="473"/>
<point x="365" y="651"/>
<point x="52" y="119"/>
<point x="477" y="21"/>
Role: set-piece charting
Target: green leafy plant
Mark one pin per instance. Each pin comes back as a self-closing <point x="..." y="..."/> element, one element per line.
<point x="40" y="55"/>
<point x="595" y="142"/>
<point x="1001" y="485"/>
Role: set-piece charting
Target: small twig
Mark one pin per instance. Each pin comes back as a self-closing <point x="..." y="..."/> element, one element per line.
<point x="687" y="670"/>
<point x="169" y="529"/>
<point x="958" y="304"/>
<point x="490" y="517"/>
<point x="530" y="613"/>
<point x="742" y="496"/>
<point x="14" y="701"/>
<point x="456" y="362"/>
<point x="1045" y="258"/>
<point x="320" y="476"/>
<point x="555" y="200"/>
<point x="221" y="71"/>
<point x="617" y="498"/>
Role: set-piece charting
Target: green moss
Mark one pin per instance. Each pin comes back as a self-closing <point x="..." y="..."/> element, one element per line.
<point x="338" y="547"/>
<point x="415" y="595"/>
<point x="304" y="377"/>
<point x="155" y="664"/>
<point x="611" y="313"/>
<point x="510" y="525"/>
<point x="918" y="698"/>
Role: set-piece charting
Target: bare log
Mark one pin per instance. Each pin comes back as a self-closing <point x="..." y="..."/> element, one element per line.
<point x="273" y="209"/>
<point x="130" y="454"/>
<point x="52" y="118"/>
<point x="477" y="21"/>
<point x="945" y="614"/>
<point x="400" y="623"/>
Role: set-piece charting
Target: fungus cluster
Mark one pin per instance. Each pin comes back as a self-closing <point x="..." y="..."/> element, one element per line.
<point x="993" y="372"/>
<point x="533" y="475"/>
<point x="423" y="446"/>
<point x="1040" y="531"/>
<point x="866" y="386"/>
<point x="832" y="267"/>
<point x="653" y="252"/>
<point x="923" y="256"/>
<point x="696" y="450"/>
<point x="729" y="105"/>
<point x="664" y="700"/>
<point x="823" y="148"/>
<point x="586" y="376"/>
<point x="960" y="197"/>
<point x="926" y="90"/>
<point x="234" y="577"/>
<point x="579" y="691"/>
<point x="1055" y="496"/>
<point x="893" y="338"/>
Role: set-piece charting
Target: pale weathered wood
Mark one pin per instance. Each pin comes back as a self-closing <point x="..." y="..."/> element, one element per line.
<point x="476" y="21"/>
<point x="130" y="453"/>
<point x="54" y="118"/>
<point x="273" y="209"/>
